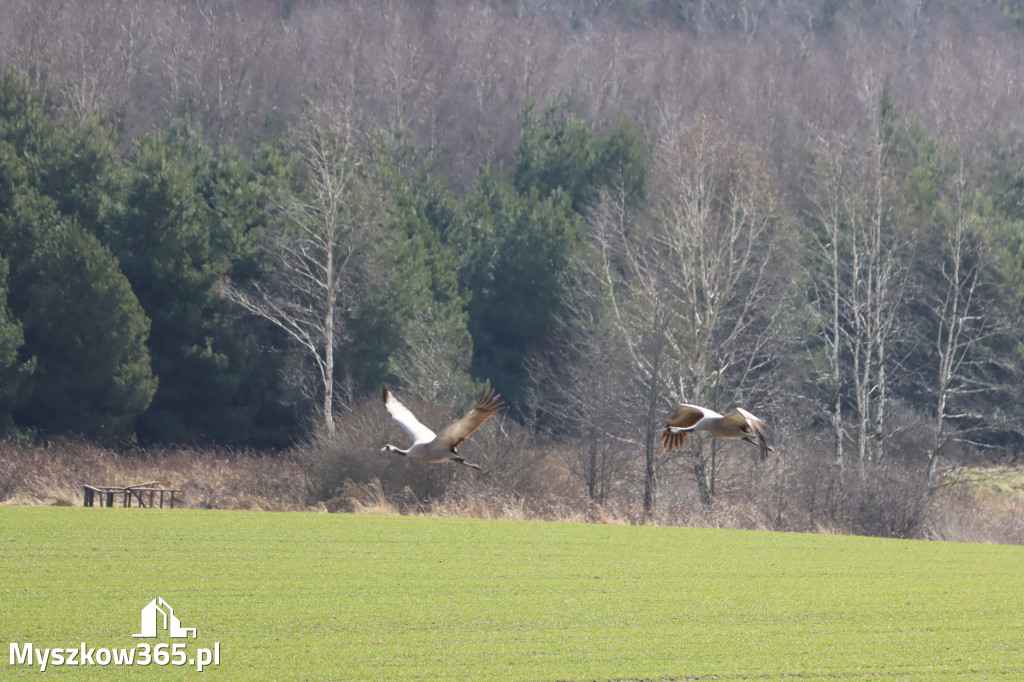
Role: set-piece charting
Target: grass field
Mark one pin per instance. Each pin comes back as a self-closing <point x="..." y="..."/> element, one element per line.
<point x="330" y="596"/>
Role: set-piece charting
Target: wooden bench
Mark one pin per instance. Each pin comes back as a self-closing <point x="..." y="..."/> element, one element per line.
<point x="138" y="491"/>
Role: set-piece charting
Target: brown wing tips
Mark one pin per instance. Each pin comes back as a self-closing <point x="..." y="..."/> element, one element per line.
<point x="490" y="402"/>
<point x="458" y="431"/>
<point x="672" y="440"/>
<point x="384" y="393"/>
<point x="762" y="441"/>
<point x="758" y="428"/>
<point x="685" y="417"/>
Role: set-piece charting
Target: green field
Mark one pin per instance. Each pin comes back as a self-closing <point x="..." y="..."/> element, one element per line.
<point x="318" y="596"/>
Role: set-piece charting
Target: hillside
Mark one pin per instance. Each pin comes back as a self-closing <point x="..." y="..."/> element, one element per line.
<point x="225" y="225"/>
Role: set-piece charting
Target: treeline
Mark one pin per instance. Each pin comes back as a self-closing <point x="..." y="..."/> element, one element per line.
<point x="116" y="321"/>
<point x="225" y="222"/>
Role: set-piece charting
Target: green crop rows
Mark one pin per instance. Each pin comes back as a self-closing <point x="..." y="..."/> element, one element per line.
<point x="318" y="596"/>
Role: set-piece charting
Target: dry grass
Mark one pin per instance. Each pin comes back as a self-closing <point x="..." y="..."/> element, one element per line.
<point x="54" y="473"/>
<point x="527" y="482"/>
<point x="969" y="515"/>
<point x="1007" y="481"/>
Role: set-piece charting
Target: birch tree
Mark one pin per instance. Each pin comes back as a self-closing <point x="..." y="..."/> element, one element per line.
<point x="829" y="215"/>
<point x="966" y="319"/>
<point x="319" y="249"/>
<point x="859" y="277"/>
<point x="879" y="267"/>
<point x="959" y="324"/>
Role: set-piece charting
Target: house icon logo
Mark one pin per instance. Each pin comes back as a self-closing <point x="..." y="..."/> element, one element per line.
<point x="151" y="621"/>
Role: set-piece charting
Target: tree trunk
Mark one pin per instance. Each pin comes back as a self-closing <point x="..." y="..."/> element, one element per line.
<point x="650" y="470"/>
<point x="329" y="378"/>
<point x="700" y="472"/>
<point x="330" y="303"/>
<point x="881" y="404"/>
<point x="837" y="416"/>
<point x="650" y="482"/>
<point x="592" y="469"/>
<point x="711" y="474"/>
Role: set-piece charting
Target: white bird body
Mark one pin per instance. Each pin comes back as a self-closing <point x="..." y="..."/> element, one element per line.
<point x="434" y="448"/>
<point x="738" y="424"/>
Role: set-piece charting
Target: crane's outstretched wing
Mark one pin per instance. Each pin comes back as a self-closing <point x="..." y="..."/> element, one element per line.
<point x="406" y="419"/>
<point x="753" y="425"/>
<point x="685" y="417"/>
<point x="460" y="429"/>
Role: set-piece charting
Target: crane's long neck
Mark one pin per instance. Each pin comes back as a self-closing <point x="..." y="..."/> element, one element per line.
<point x="397" y="451"/>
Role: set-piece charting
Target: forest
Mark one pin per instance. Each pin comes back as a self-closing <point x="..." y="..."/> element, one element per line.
<point x="227" y="224"/>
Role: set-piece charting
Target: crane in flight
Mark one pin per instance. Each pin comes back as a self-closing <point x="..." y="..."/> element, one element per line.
<point x="738" y="424"/>
<point x="433" y="447"/>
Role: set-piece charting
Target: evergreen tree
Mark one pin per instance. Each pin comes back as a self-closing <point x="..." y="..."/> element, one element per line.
<point x="13" y="372"/>
<point x="521" y="245"/>
<point x="84" y="332"/>
<point x="76" y="165"/>
<point x="186" y="218"/>
<point x="523" y="233"/>
<point x="83" y="326"/>
<point x="430" y="345"/>
<point x="560" y="151"/>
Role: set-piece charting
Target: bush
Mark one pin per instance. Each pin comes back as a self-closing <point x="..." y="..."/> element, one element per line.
<point x="521" y="480"/>
<point x="963" y="514"/>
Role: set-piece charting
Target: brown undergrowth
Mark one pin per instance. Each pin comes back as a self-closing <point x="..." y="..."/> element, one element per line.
<point x="355" y="478"/>
<point x="54" y="473"/>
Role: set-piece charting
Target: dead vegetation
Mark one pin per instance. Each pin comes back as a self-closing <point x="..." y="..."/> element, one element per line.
<point x="54" y="473"/>
<point x="350" y="475"/>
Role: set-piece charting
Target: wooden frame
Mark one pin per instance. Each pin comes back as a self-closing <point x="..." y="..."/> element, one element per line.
<point x="106" y="494"/>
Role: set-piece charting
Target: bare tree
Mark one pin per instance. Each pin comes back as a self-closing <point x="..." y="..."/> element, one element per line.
<point x="956" y="318"/>
<point x="828" y="213"/>
<point x="627" y="267"/>
<point x="964" y="319"/>
<point x="860" y="273"/>
<point x="878" y="273"/>
<point x="717" y="233"/>
<point x="577" y="388"/>
<point x="690" y="285"/>
<point x="319" y="250"/>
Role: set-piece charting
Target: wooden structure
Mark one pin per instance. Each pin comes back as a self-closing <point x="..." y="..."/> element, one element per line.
<point x="143" y="492"/>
